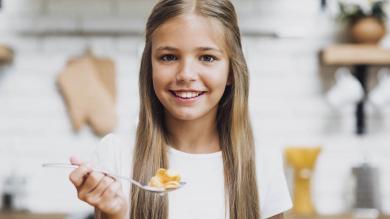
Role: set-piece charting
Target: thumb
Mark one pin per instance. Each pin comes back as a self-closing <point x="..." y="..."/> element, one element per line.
<point x="75" y="160"/>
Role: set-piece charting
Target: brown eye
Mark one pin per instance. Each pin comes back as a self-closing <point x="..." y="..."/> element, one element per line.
<point x="168" y="58"/>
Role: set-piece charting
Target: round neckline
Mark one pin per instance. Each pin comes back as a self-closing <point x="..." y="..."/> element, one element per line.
<point x="190" y="155"/>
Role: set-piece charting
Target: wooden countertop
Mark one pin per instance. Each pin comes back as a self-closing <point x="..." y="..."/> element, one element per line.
<point x="347" y="216"/>
<point x="15" y="215"/>
<point x="10" y="215"/>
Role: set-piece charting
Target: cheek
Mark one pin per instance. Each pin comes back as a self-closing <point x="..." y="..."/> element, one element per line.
<point x="158" y="83"/>
<point x="218" y="78"/>
<point x="159" y="76"/>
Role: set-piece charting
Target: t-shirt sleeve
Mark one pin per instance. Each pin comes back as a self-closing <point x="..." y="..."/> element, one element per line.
<point x="273" y="189"/>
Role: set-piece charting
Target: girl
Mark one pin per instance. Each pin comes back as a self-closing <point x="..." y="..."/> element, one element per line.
<point x="193" y="118"/>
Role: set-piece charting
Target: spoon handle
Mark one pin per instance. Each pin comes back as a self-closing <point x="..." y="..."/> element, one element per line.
<point x="72" y="166"/>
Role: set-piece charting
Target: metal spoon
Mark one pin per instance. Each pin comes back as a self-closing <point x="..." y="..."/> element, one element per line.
<point x="160" y="191"/>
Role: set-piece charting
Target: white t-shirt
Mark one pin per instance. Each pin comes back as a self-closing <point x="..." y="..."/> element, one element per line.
<point x="200" y="199"/>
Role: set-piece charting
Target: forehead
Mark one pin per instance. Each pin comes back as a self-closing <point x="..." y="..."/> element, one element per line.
<point x="190" y="30"/>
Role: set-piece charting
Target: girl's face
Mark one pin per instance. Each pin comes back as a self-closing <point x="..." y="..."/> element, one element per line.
<point x="190" y="66"/>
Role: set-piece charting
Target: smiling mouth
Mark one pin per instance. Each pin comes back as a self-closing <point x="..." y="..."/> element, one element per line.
<point x="187" y="94"/>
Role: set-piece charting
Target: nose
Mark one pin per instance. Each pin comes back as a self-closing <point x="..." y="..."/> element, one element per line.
<point x="187" y="71"/>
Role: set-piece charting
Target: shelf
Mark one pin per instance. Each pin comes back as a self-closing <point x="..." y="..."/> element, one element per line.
<point x="360" y="57"/>
<point x="355" y="54"/>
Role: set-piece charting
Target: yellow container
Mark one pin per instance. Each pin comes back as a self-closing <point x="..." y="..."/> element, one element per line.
<point x="302" y="160"/>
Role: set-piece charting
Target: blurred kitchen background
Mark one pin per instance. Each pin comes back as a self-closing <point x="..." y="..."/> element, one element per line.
<point x="288" y="101"/>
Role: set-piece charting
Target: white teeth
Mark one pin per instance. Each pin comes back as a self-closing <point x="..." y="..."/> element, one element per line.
<point x="187" y="95"/>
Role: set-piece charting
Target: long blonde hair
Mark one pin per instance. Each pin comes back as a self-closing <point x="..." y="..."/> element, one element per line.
<point x="234" y="128"/>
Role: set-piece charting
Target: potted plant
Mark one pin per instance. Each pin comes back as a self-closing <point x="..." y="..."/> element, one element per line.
<point x="366" y="19"/>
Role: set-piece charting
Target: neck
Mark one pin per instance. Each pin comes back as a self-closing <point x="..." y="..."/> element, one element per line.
<point x="197" y="136"/>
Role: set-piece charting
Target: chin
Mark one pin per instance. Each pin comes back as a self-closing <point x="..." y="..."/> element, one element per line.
<point x="187" y="116"/>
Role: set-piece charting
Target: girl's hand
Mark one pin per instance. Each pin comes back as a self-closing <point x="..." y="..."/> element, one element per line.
<point x="99" y="190"/>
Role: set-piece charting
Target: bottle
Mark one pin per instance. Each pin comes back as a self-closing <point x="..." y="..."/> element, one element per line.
<point x="14" y="193"/>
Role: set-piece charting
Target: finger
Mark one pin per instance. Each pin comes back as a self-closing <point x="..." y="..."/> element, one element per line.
<point x="112" y="190"/>
<point x="90" y="184"/>
<point x="103" y="185"/>
<point x="95" y="196"/>
<point x="112" y="205"/>
<point x="78" y="175"/>
<point x="75" y="160"/>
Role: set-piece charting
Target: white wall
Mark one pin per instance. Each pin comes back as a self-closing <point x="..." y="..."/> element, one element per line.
<point x="287" y="92"/>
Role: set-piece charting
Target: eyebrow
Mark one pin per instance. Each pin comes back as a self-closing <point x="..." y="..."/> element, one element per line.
<point x="169" y="48"/>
